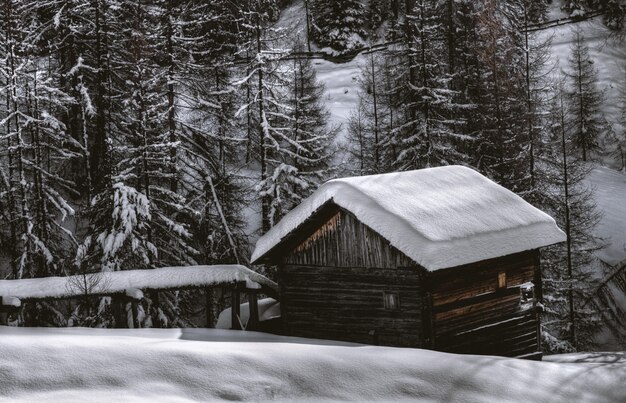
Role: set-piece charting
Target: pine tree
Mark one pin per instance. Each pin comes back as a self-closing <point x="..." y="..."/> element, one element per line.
<point x="367" y="124"/>
<point x="338" y="24"/>
<point x="428" y="132"/>
<point x="568" y="269"/>
<point x="584" y="97"/>
<point x="37" y="155"/>
<point x="536" y="75"/>
<point x="308" y="148"/>
<point x="377" y="12"/>
<point x="613" y="10"/>
<point x="502" y="141"/>
<point x="265" y="82"/>
<point x="210" y="138"/>
<point x="37" y="151"/>
<point x="372" y="126"/>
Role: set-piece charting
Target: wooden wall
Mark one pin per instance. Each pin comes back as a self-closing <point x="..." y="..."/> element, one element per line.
<point x="472" y="315"/>
<point x="334" y="270"/>
<point x="332" y="286"/>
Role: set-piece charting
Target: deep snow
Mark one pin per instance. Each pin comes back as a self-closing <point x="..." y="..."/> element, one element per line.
<point x="181" y="365"/>
<point x="609" y="188"/>
<point x="269" y="308"/>
<point x="439" y="217"/>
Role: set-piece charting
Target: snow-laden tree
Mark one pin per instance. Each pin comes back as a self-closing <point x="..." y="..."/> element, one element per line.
<point x="376" y="13"/>
<point x="569" y="270"/>
<point x="303" y="158"/>
<point x="428" y="132"/>
<point x="265" y="110"/>
<point x="502" y="142"/>
<point x="372" y="125"/>
<point x="37" y="150"/>
<point x="537" y="88"/>
<point x="613" y="10"/>
<point x="211" y="140"/>
<point x="339" y="24"/>
<point x="36" y="156"/>
<point x="584" y="97"/>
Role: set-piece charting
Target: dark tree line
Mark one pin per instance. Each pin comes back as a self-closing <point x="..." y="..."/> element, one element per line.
<point x="134" y="137"/>
<point x="467" y="84"/>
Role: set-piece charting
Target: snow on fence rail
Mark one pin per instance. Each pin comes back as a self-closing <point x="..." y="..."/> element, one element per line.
<point x="130" y="281"/>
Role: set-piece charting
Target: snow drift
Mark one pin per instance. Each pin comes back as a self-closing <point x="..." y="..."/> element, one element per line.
<point x="181" y="365"/>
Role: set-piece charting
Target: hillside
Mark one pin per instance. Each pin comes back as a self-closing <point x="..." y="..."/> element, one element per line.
<point x="610" y="196"/>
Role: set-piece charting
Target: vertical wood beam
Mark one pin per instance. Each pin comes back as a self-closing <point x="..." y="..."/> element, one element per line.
<point x="116" y="310"/>
<point x="253" y="305"/>
<point x="235" y="306"/>
<point x="210" y="313"/>
<point x="135" y="312"/>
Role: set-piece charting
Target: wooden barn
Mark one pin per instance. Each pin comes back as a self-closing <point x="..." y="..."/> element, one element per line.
<point x="439" y="258"/>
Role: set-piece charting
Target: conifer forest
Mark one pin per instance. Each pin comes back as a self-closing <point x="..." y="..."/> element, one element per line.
<point x="138" y="134"/>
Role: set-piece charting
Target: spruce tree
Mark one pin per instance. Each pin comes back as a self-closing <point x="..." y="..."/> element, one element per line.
<point x="265" y="112"/>
<point x="307" y="151"/>
<point x="339" y="24"/>
<point x="429" y="130"/>
<point x="569" y="269"/>
<point x="502" y="151"/>
<point x="584" y="98"/>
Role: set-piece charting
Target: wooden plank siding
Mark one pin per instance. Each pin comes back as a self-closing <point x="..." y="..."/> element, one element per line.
<point x="334" y="270"/>
<point x="472" y="315"/>
<point x="332" y="285"/>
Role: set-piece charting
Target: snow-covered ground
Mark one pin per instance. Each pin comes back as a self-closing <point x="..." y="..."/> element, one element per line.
<point x="341" y="94"/>
<point x="610" y="196"/>
<point x="173" y="365"/>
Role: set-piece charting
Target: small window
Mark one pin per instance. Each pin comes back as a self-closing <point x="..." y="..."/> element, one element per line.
<point x="501" y="280"/>
<point x="391" y="300"/>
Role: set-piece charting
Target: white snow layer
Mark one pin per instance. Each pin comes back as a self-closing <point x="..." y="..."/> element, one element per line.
<point x="439" y="217"/>
<point x="133" y="281"/>
<point x="183" y="365"/>
<point x="10" y="301"/>
<point x="269" y="308"/>
<point x="609" y="193"/>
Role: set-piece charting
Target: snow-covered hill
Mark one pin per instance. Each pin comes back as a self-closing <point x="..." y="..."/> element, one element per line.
<point x="174" y="365"/>
<point x="610" y="196"/>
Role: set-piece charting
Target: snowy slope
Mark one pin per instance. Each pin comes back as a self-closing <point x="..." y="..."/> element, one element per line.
<point x="607" y="51"/>
<point x="342" y="87"/>
<point x="610" y="196"/>
<point x="171" y="365"/>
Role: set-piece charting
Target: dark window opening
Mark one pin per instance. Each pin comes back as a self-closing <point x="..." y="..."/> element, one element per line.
<point x="391" y="300"/>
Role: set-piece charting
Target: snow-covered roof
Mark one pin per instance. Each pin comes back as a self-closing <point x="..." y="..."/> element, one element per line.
<point x="129" y="281"/>
<point x="439" y="217"/>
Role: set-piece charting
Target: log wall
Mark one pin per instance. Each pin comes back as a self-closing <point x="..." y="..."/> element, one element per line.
<point x="472" y="314"/>
<point x="334" y="271"/>
<point x="332" y="286"/>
